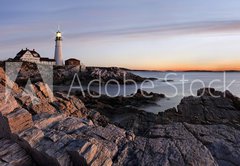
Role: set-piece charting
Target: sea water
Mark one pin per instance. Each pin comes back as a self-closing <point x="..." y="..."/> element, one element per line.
<point x="175" y="85"/>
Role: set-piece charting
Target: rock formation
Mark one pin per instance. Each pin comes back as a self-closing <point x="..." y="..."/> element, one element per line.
<point x="64" y="75"/>
<point x="60" y="130"/>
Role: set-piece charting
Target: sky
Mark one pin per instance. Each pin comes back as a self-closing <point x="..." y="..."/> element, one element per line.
<point x="135" y="34"/>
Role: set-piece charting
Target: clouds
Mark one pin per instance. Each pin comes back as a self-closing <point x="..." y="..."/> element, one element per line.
<point x="157" y="31"/>
<point x="87" y="23"/>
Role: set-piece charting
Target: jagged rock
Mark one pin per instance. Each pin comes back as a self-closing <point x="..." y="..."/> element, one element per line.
<point x="138" y="99"/>
<point x="70" y="124"/>
<point x="66" y="135"/>
<point x="221" y="140"/>
<point x="43" y="107"/>
<point x="97" y="118"/>
<point x="7" y="84"/>
<point x="16" y="121"/>
<point x="8" y="104"/>
<point x="89" y="153"/>
<point x="65" y="74"/>
<point x="12" y="154"/>
<point x="61" y="140"/>
<point x="110" y="133"/>
<point x="45" y="90"/>
<point x="166" y="145"/>
<point x="29" y="137"/>
<point x="19" y="120"/>
<point x="121" y="75"/>
<point x="42" y="121"/>
<point x="212" y="107"/>
<point x="70" y="105"/>
<point x="38" y="100"/>
<point x="68" y="142"/>
<point x="123" y="111"/>
<point x="206" y="92"/>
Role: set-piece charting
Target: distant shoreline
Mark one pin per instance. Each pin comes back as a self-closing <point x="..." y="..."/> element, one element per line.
<point x="200" y="71"/>
<point x="123" y="68"/>
<point x="177" y="71"/>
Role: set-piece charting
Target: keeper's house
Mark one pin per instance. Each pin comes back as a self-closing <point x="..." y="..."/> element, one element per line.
<point x="34" y="57"/>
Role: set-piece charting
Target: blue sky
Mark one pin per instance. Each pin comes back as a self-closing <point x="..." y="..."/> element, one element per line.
<point x="137" y="34"/>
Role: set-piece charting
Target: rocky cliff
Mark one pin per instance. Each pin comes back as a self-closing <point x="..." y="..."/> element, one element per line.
<point x="60" y="130"/>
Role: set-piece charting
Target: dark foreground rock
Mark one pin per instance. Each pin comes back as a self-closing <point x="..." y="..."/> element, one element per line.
<point x="60" y="130"/>
<point x="123" y="111"/>
<point x="138" y="99"/>
<point x="211" y="107"/>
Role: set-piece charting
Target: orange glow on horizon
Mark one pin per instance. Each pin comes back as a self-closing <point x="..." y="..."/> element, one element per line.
<point x="222" y="67"/>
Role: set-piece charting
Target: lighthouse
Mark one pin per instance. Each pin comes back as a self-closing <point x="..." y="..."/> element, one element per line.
<point x="58" y="49"/>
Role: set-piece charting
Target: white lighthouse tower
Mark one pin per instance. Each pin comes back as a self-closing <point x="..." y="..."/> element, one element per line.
<point x="58" y="49"/>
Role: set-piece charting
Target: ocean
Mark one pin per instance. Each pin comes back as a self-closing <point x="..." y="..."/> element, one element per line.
<point x="179" y="84"/>
<point x="193" y="81"/>
<point x="176" y="86"/>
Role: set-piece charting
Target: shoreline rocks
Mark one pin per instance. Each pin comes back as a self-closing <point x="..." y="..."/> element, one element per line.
<point x="64" y="75"/>
<point x="62" y="131"/>
<point x="205" y="109"/>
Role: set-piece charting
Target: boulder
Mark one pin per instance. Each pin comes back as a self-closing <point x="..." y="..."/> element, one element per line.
<point x="14" y="122"/>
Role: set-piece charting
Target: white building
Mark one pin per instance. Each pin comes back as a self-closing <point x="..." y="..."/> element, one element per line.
<point x="58" y="49"/>
<point x="34" y="57"/>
